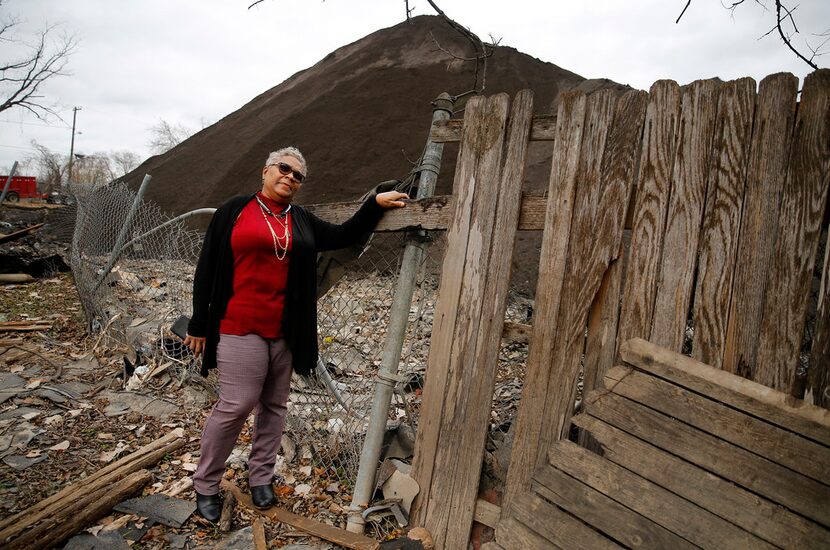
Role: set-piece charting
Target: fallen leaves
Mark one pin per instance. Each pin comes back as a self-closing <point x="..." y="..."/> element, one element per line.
<point x="62" y="446"/>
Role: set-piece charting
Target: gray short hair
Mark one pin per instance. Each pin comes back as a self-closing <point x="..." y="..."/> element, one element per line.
<point x="288" y="152"/>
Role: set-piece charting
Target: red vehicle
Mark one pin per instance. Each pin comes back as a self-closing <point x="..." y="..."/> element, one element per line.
<point x="21" y="187"/>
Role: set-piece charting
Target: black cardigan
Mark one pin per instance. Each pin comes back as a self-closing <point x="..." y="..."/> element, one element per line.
<point x="213" y="281"/>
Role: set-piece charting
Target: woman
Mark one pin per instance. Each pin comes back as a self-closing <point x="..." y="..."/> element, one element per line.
<point x="255" y="315"/>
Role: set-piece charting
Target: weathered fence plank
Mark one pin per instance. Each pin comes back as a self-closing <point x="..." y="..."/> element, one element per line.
<point x="601" y="341"/>
<point x="570" y="120"/>
<point x="773" y="523"/>
<point x="477" y="341"/>
<point x="776" y="483"/>
<point x="698" y="526"/>
<point x="470" y="358"/>
<point x="596" y="238"/>
<point x="685" y="212"/>
<point x="803" y="203"/>
<point x="471" y="161"/>
<point x="771" y="139"/>
<point x="781" y="446"/>
<point x="653" y="190"/>
<point x="719" y="238"/>
<point x="819" y="374"/>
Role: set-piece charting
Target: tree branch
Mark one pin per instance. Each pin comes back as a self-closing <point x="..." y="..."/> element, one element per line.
<point x="780" y="19"/>
<point x="21" y="79"/>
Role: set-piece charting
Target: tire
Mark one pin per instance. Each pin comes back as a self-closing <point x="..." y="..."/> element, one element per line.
<point x="12" y="196"/>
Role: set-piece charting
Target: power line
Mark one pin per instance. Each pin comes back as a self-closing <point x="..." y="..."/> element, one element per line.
<point x="65" y="127"/>
<point x="16" y="147"/>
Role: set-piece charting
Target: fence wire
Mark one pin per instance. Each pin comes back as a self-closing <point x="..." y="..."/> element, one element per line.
<point x="150" y="286"/>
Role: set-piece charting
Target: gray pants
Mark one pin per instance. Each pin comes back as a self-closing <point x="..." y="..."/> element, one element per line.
<point x="253" y="372"/>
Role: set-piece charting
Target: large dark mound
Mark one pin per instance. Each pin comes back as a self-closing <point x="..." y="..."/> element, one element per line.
<point x="361" y="116"/>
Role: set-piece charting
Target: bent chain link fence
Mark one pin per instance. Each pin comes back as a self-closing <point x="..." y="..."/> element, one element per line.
<point x="150" y="286"/>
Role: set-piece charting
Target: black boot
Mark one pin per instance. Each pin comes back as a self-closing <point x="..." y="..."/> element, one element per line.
<point x="209" y="506"/>
<point x="263" y="496"/>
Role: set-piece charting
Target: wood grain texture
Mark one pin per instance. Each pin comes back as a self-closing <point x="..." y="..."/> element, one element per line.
<point x="818" y="378"/>
<point x="601" y="341"/>
<point x="772" y="481"/>
<point x="803" y="202"/>
<point x="698" y="526"/>
<point x="525" y="452"/>
<point x="758" y="400"/>
<point x="596" y="236"/>
<point x="776" y="444"/>
<point x="652" y="202"/>
<point x="685" y="213"/>
<point x="770" y="148"/>
<point x="771" y="522"/>
<point x="476" y="341"/>
<point x="603" y="513"/>
<point x="487" y="513"/>
<point x="603" y="317"/>
<point x="557" y="526"/>
<point x="82" y="513"/>
<point x="470" y="157"/>
<point x="721" y="223"/>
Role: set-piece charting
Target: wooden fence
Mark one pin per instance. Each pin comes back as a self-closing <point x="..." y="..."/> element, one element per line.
<point x="731" y="190"/>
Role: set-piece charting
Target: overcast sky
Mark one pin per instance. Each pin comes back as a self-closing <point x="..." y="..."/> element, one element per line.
<point x="191" y="62"/>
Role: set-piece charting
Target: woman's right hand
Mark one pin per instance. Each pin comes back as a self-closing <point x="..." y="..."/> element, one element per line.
<point x="195" y="343"/>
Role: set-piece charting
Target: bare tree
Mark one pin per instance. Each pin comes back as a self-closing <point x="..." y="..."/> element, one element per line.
<point x="164" y="136"/>
<point x="50" y="167"/>
<point x="481" y="50"/>
<point x="786" y="28"/>
<point x="42" y="58"/>
<point x="123" y="162"/>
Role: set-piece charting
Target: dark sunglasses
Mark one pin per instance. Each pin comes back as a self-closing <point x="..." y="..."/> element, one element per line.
<point x="286" y="169"/>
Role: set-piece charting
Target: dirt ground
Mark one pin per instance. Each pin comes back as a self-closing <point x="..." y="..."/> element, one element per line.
<point x="63" y="386"/>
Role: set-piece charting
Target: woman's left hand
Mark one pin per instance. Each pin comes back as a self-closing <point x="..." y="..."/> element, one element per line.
<point x="391" y="199"/>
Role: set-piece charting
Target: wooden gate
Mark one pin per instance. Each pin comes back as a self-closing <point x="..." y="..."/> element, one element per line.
<point x="731" y="190"/>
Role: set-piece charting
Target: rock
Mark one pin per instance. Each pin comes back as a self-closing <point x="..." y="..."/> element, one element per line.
<point x="107" y="540"/>
<point x="196" y="397"/>
<point x="238" y="540"/>
<point x="163" y="509"/>
<point x="18" y="412"/>
<point x="122" y="402"/>
<point x="9" y="381"/>
<point x="20" y="462"/>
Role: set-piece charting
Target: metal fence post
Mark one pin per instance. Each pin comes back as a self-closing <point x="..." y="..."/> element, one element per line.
<point x="8" y="182"/>
<point x="122" y="235"/>
<point x="398" y="320"/>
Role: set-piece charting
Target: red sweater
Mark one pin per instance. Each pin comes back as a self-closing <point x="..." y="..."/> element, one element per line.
<point x="259" y="278"/>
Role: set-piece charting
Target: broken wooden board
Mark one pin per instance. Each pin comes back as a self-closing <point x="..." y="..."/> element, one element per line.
<point x="24" y="326"/>
<point x="692" y="456"/>
<point x="310" y="526"/>
<point x="14" y="235"/>
<point x="469" y="317"/>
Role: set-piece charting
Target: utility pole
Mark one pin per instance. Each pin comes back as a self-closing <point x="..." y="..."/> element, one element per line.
<point x="71" y="150"/>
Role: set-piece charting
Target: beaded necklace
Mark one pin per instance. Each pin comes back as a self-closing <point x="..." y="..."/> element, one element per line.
<point x="280" y="243"/>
